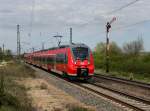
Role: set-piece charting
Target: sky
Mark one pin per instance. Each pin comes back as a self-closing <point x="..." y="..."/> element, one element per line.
<point x="40" y="20"/>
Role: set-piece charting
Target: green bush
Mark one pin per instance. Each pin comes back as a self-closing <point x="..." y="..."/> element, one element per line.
<point x="131" y="60"/>
<point x="126" y="63"/>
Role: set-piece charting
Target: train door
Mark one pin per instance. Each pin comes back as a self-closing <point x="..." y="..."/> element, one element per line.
<point x="54" y="62"/>
<point x="45" y="62"/>
<point x="65" y="62"/>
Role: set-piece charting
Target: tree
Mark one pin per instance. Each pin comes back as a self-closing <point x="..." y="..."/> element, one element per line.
<point x="114" y="48"/>
<point x="134" y="47"/>
<point x="1" y="53"/>
<point x="100" y="54"/>
<point x="8" y="54"/>
<point x="100" y="48"/>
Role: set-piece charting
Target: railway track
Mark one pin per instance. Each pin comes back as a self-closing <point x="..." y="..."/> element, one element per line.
<point x="129" y="101"/>
<point x="147" y="101"/>
<point x="125" y="100"/>
<point x="125" y="81"/>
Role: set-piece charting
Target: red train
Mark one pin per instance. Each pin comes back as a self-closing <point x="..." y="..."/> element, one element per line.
<point x="74" y="60"/>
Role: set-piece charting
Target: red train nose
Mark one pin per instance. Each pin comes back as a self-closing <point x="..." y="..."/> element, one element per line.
<point x="78" y="62"/>
<point x="81" y="63"/>
<point x="85" y="62"/>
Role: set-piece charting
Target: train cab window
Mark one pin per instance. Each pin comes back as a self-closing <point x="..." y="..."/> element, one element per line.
<point x="81" y="53"/>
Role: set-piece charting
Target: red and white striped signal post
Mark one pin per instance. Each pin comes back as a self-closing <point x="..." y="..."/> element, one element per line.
<point x="108" y="26"/>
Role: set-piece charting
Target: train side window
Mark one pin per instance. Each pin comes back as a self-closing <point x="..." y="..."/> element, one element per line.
<point x="46" y="60"/>
<point x="35" y="58"/>
<point x="43" y="60"/>
<point x="40" y="59"/>
<point x="49" y="59"/>
<point x="54" y="59"/>
<point x="61" y="58"/>
<point x="57" y="58"/>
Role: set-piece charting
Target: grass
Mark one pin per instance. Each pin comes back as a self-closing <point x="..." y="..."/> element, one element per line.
<point x="126" y="75"/>
<point x="13" y="96"/>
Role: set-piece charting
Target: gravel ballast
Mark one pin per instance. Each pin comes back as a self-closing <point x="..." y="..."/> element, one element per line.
<point x="130" y="89"/>
<point x="89" y="98"/>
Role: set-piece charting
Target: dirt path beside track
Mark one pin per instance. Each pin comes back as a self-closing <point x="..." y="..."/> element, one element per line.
<point x="46" y="97"/>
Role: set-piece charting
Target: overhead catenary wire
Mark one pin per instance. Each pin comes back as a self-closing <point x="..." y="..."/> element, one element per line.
<point x="131" y="25"/>
<point x="124" y="6"/>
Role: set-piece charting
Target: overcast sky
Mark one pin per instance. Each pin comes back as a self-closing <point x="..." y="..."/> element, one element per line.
<point x="45" y="18"/>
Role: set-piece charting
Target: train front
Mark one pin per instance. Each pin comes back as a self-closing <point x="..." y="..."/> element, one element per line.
<point x="81" y="63"/>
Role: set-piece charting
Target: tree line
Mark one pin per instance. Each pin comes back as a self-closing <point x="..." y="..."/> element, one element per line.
<point x="129" y="58"/>
<point x="5" y="55"/>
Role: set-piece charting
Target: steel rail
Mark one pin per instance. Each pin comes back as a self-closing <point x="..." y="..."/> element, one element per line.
<point x="111" y="98"/>
<point x="146" y="101"/>
<point x="125" y="81"/>
<point x="107" y="96"/>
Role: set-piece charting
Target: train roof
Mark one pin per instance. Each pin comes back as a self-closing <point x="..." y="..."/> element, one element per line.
<point x="65" y="46"/>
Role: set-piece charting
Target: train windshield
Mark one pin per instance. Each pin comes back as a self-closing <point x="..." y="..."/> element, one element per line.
<point x="81" y="53"/>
